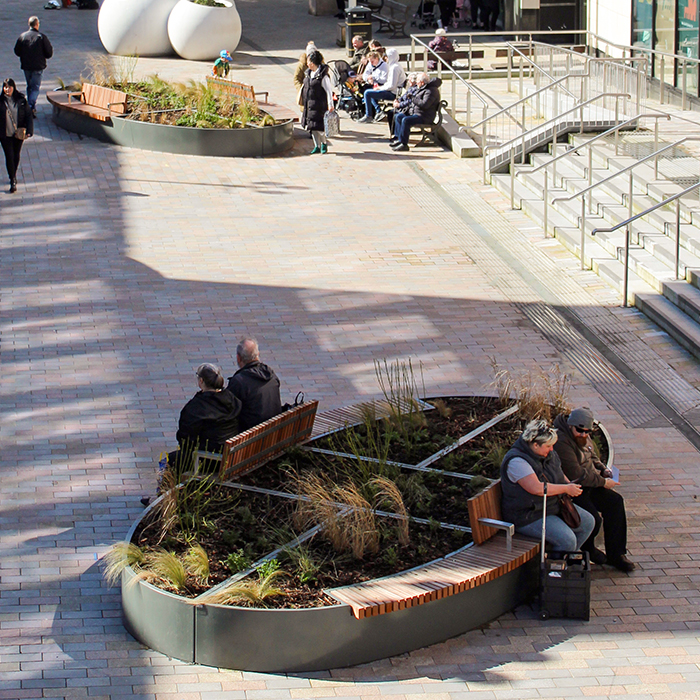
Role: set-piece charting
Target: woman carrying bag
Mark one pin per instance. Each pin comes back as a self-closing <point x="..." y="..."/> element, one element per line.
<point x="16" y="125"/>
<point x="317" y="99"/>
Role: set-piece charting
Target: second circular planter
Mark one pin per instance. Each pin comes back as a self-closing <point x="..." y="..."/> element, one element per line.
<point x="200" y="32"/>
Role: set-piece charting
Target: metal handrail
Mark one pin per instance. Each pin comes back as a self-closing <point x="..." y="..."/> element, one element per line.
<point x="620" y="172"/>
<point x="535" y="65"/>
<point x="596" y="138"/>
<point x="628" y="226"/>
<point x="455" y="76"/>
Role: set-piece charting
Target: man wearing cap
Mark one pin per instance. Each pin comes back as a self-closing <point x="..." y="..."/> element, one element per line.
<point x="580" y="463"/>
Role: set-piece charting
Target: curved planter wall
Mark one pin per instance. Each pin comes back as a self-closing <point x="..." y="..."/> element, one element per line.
<point x="311" y="639"/>
<point x="199" y="32"/>
<point x="251" y="142"/>
<point x="135" y="27"/>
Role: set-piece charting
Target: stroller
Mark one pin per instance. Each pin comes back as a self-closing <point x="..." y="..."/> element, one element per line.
<point x="347" y="98"/>
<point x="426" y="15"/>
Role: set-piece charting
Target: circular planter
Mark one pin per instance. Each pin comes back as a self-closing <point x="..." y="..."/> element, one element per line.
<point x="309" y="639"/>
<point x="228" y="143"/>
<point x="199" y="32"/>
<point x="135" y="27"/>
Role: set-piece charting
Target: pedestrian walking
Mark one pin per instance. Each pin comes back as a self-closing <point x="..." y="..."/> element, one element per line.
<point x="317" y="99"/>
<point x="16" y="124"/>
<point x="33" y="49"/>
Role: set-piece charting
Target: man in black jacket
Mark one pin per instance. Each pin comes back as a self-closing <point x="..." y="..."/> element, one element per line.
<point x="255" y="385"/>
<point x="33" y="48"/>
<point x="421" y="110"/>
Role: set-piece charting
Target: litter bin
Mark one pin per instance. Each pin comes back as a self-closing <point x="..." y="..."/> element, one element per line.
<point x="358" y="22"/>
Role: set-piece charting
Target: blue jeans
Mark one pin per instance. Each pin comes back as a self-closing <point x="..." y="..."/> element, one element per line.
<point x="371" y="98"/>
<point x="33" y="85"/>
<point x="402" y="126"/>
<point x="559" y="534"/>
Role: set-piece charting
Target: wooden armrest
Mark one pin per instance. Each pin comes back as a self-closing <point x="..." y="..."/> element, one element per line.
<point x="262" y="92"/>
<point x="201" y="454"/>
<point x="79" y="95"/>
<point x="508" y="528"/>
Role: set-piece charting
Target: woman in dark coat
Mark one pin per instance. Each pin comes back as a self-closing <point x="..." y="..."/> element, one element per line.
<point x="14" y="114"/>
<point x="317" y="99"/>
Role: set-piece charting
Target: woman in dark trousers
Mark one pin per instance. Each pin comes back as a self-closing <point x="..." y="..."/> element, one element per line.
<point x="14" y="114"/>
<point x="317" y="99"/>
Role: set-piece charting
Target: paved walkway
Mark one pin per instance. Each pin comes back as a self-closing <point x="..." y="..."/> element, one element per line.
<point x="121" y="270"/>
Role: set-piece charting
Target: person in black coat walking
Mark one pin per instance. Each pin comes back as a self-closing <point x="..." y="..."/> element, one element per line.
<point x="317" y="99"/>
<point x="14" y="114"/>
<point x="33" y="49"/>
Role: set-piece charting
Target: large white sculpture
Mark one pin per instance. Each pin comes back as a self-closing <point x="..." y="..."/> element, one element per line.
<point x="199" y="32"/>
<point x="135" y="27"/>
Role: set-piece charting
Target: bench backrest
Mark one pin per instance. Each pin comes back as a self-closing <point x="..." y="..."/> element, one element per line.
<point x="395" y="8"/>
<point x="245" y="92"/>
<point x="103" y="97"/>
<point x="486" y="504"/>
<point x="263" y="442"/>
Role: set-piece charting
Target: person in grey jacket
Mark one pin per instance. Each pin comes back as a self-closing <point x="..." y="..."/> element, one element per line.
<point x="33" y="49"/>
<point x="255" y="385"/>
<point x="14" y="114"/>
<point x="580" y="463"/>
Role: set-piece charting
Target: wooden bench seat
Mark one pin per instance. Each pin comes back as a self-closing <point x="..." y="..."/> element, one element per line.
<point x="392" y="16"/>
<point x="261" y="443"/>
<point x="94" y="100"/>
<point x="248" y="93"/>
<point x="429" y="132"/>
<point x="493" y="554"/>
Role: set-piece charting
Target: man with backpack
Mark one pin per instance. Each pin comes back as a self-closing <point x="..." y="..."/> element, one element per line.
<point x="33" y="49"/>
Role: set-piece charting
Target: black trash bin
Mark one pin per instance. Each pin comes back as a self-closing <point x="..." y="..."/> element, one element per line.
<point x="358" y="22"/>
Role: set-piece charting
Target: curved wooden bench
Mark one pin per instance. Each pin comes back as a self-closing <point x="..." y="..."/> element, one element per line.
<point x="93" y="100"/>
<point x="491" y="555"/>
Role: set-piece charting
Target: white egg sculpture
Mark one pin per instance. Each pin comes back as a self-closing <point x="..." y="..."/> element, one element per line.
<point x="135" y="27"/>
<point x="200" y="32"/>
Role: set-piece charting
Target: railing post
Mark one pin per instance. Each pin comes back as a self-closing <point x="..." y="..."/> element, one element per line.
<point x="583" y="231"/>
<point x="509" y="66"/>
<point x="590" y="177"/>
<point x="581" y="129"/>
<point x="520" y="78"/>
<point x="568" y="70"/>
<point x="617" y="120"/>
<point x="544" y="200"/>
<point x="512" y="178"/>
<point x="554" y="153"/>
<point x="630" y="202"/>
<point x="656" y="148"/>
<point x="471" y="57"/>
<point x="662" y="80"/>
<point x="625" y="277"/>
<point x="684" y="86"/>
<point x="678" y="238"/>
<point x="454" y="96"/>
<point x="522" y="159"/>
<point x="425" y="59"/>
<point x="413" y="55"/>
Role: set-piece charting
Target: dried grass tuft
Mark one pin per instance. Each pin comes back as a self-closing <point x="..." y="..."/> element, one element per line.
<point x="389" y="498"/>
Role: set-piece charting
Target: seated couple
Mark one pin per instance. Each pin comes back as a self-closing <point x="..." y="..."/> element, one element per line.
<point x="214" y="414"/>
<point x="564" y="458"/>
<point x="418" y="104"/>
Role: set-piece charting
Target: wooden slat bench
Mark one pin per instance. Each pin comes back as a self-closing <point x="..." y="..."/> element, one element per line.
<point x="429" y="132"/>
<point x="94" y="100"/>
<point x="492" y="555"/>
<point x="392" y="16"/>
<point x="261" y="443"/>
<point x="248" y="93"/>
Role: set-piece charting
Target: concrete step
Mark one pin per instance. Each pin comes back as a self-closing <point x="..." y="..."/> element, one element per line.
<point x="668" y="316"/>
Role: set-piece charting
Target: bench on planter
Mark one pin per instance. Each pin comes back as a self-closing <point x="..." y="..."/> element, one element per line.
<point x="94" y="100"/>
<point x="429" y="132"/>
<point x="261" y="443"/>
<point x="248" y="94"/>
<point x="392" y="16"/>
<point x="491" y="556"/>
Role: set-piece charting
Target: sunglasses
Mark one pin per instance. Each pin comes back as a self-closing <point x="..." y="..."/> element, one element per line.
<point x="583" y="431"/>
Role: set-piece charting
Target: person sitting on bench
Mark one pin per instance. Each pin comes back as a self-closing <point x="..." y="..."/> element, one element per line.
<point x="440" y="44"/>
<point x="580" y="462"/>
<point x="395" y="79"/>
<point x="422" y="109"/>
<point x="255" y="385"/>
<point x="401" y="103"/>
<point x="360" y="51"/>
<point x="525" y="469"/>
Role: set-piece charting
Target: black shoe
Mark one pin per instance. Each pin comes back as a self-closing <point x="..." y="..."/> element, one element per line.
<point x="146" y="501"/>
<point x="400" y="147"/>
<point x="340" y="15"/>
<point x="13" y="186"/>
<point x="394" y="142"/>
<point x="364" y="120"/>
<point x="597" y="557"/>
<point x="34" y="113"/>
<point x="622" y="563"/>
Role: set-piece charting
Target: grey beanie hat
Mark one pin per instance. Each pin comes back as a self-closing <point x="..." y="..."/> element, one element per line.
<point x="581" y="418"/>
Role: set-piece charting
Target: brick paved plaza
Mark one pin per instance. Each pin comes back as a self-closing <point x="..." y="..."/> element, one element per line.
<point x="122" y="270"/>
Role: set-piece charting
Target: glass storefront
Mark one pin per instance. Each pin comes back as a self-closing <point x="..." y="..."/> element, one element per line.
<point x="670" y="26"/>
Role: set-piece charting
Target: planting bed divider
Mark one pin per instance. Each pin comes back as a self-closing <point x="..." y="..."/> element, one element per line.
<point x="318" y="638"/>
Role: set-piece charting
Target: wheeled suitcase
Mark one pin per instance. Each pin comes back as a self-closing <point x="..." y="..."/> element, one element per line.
<point x="565" y="580"/>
